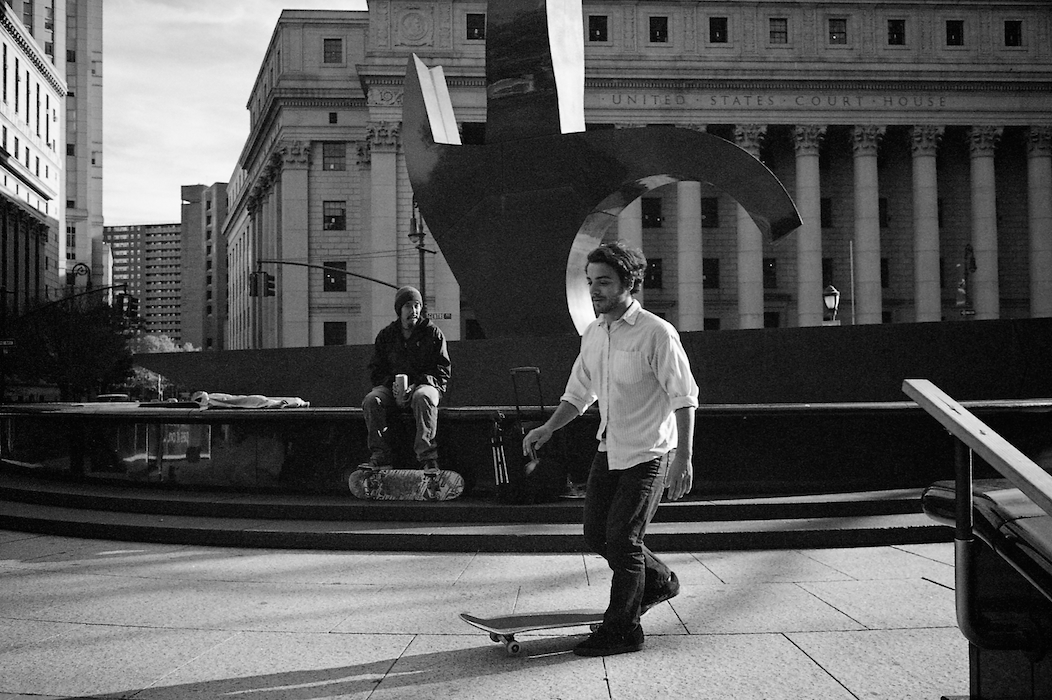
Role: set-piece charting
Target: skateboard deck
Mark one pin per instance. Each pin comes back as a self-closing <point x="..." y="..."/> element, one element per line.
<point x="503" y="629"/>
<point x="405" y="485"/>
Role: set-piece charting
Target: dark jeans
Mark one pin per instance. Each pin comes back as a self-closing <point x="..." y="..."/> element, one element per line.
<point x="619" y="506"/>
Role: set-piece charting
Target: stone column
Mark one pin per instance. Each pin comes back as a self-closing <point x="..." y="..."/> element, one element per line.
<point x="293" y="244"/>
<point x="809" y="235"/>
<point x="630" y="220"/>
<point x="926" y="281"/>
<point x="382" y="234"/>
<point x="750" y="241"/>
<point x="984" y="281"/>
<point x="1039" y="197"/>
<point x="869" y="294"/>
<point x="690" y="285"/>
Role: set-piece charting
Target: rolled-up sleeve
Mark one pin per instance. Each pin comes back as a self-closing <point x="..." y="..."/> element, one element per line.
<point x="579" y="392"/>
<point x="672" y="368"/>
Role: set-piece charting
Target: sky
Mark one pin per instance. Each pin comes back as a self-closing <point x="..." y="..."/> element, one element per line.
<point x="176" y="79"/>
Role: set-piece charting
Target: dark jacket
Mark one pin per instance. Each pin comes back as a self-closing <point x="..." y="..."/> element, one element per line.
<point x="423" y="357"/>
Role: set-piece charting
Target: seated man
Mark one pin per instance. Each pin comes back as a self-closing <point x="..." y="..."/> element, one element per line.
<point x="415" y="347"/>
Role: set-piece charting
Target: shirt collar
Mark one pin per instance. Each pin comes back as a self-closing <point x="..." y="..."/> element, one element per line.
<point x="630" y="315"/>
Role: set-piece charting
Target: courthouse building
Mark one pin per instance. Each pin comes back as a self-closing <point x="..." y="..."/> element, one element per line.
<point x="915" y="138"/>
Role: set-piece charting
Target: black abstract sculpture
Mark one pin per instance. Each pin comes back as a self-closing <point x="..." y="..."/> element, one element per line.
<point x="516" y="217"/>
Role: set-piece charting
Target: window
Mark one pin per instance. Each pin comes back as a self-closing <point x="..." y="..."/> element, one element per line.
<point x="779" y="30"/>
<point x="710" y="212"/>
<point x="896" y="32"/>
<point x="772" y="319"/>
<point x="659" y="30"/>
<point x="334" y="215"/>
<point x="598" y="28"/>
<point x="770" y="273"/>
<point x="955" y="32"/>
<point x="476" y="26"/>
<point x="334" y="156"/>
<point x="334" y="332"/>
<point x="334" y="117"/>
<point x="838" y="30"/>
<point x="718" y="32"/>
<point x="332" y="51"/>
<point x="711" y="324"/>
<point x="653" y="278"/>
<point x="1013" y="33"/>
<point x="334" y="281"/>
<point x="710" y="273"/>
<point x="826" y="215"/>
<point x="651" y="207"/>
<point x="71" y="56"/>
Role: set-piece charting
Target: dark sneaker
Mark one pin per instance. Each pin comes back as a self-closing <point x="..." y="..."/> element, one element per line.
<point x="605" y="643"/>
<point x="379" y="460"/>
<point x="669" y="590"/>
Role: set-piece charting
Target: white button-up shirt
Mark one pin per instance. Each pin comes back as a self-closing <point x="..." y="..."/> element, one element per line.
<point x="637" y="370"/>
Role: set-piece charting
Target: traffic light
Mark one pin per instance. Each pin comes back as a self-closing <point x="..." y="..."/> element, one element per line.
<point x="120" y="302"/>
<point x="253" y="284"/>
<point x="269" y="290"/>
<point x="131" y="309"/>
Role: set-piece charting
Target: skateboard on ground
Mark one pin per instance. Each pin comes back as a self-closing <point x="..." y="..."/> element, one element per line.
<point x="503" y="629"/>
<point x="404" y="484"/>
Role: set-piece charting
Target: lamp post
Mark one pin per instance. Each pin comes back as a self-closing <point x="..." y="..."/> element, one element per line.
<point x="416" y="235"/>
<point x="78" y="270"/>
<point x="831" y="300"/>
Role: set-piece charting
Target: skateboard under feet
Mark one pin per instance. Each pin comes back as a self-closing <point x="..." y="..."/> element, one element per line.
<point x="503" y="629"/>
<point x="404" y="484"/>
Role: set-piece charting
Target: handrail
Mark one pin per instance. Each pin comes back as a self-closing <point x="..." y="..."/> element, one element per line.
<point x="1000" y="454"/>
<point x="972" y="436"/>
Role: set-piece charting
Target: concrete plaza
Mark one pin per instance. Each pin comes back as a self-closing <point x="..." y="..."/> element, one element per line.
<point x="106" y="619"/>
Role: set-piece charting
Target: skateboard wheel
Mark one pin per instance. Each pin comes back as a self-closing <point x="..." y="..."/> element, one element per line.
<point x="514" y="648"/>
<point x="594" y="626"/>
<point x="494" y="637"/>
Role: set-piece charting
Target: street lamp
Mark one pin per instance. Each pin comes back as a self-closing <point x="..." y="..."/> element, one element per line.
<point x="76" y="271"/>
<point x="416" y="235"/>
<point x="831" y="300"/>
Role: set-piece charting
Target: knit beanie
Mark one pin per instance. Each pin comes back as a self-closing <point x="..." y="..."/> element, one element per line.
<point x="405" y="295"/>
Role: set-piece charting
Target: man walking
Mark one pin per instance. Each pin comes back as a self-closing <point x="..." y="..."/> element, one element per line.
<point x="633" y="363"/>
<point x="415" y="347"/>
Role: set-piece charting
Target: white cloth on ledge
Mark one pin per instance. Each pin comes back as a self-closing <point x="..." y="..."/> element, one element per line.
<point x="218" y="400"/>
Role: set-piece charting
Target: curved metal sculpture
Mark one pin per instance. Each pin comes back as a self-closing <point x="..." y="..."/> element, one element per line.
<point x="516" y="217"/>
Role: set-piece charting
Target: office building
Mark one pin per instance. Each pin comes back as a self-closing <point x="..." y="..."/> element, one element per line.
<point x="204" y="281"/>
<point x="148" y="260"/>
<point x="915" y="138"/>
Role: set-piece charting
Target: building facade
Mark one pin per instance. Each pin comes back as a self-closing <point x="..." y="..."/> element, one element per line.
<point x="83" y="149"/>
<point x="148" y="260"/>
<point x="915" y="138"/>
<point x="31" y="168"/>
<point x="204" y="280"/>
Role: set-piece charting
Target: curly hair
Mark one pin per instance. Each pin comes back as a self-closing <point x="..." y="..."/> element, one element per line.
<point x="629" y="263"/>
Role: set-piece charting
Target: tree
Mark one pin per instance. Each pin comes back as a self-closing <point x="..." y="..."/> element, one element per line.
<point x="78" y="345"/>
<point x="144" y="381"/>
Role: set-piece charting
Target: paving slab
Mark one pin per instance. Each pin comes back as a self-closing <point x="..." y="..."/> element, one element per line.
<point x="887" y="604"/>
<point x="906" y="664"/>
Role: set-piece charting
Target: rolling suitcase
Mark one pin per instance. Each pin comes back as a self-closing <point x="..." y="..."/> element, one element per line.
<point x="518" y="478"/>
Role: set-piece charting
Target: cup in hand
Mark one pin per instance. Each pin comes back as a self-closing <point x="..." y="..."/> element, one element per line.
<point x="401" y="389"/>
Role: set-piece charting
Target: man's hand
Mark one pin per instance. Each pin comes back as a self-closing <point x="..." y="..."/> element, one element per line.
<point x="535" y="440"/>
<point x="680" y="477"/>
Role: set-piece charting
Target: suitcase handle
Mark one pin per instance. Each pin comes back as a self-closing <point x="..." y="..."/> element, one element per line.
<point x="536" y="372"/>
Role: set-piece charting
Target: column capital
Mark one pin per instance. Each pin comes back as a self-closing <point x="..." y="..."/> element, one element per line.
<point x="1039" y="140"/>
<point x="750" y="137"/>
<point x="865" y="138"/>
<point x="294" y="154"/>
<point x="383" y="136"/>
<point x="983" y="140"/>
<point x="364" y="155"/>
<point x="807" y="138"/>
<point x="924" y="139"/>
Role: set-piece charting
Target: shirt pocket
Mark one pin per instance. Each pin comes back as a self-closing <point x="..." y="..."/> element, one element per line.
<point x="626" y="367"/>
